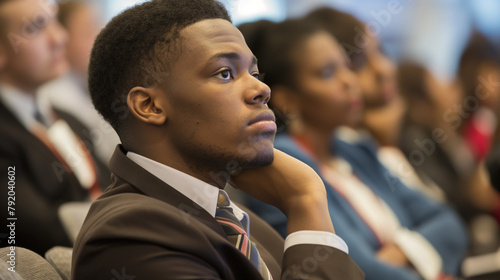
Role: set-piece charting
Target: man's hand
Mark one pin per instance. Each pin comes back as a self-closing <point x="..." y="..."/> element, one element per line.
<point x="392" y="254"/>
<point x="293" y="187"/>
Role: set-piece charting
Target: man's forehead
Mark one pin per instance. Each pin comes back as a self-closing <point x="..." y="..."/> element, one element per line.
<point x="213" y="30"/>
<point x="213" y="36"/>
<point x="23" y="11"/>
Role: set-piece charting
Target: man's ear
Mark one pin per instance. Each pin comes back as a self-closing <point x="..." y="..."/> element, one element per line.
<point x="148" y="105"/>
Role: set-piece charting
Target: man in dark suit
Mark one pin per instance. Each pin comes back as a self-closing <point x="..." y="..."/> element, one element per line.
<point x="179" y="85"/>
<point x="33" y="144"/>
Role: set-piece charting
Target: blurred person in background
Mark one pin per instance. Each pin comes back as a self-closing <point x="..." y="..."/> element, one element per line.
<point x="438" y="151"/>
<point x="42" y="146"/>
<point x="384" y="107"/>
<point x="376" y="73"/>
<point x="476" y="116"/>
<point x="83" y="21"/>
<point x="392" y="231"/>
<point x="436" y="164"/>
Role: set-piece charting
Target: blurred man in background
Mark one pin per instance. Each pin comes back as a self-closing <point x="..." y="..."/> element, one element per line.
<point x="69" y="93"/>
<point x="52" y="164"/>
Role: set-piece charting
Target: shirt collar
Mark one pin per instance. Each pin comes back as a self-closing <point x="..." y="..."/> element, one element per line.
<point x="23" y="106"/>
<point x="203" y="194"/>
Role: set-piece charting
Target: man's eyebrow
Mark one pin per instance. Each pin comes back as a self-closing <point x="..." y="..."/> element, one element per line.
<point x="229" y="56"/>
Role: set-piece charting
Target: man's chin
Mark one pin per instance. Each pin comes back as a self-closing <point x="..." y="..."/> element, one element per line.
<point x="263" y="158"/>
<point x="58" y="70"/>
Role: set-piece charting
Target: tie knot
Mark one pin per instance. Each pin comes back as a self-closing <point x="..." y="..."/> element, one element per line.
<point x="40" y="118"/>
<point x="223" y="199"/>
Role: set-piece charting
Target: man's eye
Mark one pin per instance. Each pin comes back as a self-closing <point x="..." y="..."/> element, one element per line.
<point x="224" y="75"/>
<point x="259" y="76"/>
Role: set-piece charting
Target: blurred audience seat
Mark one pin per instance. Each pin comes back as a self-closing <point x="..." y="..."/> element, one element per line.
<point x="60" y="258"/>
<point x="29" y="265"/>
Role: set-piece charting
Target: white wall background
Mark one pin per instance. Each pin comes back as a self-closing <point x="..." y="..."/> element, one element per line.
<point x="431" y="31"/>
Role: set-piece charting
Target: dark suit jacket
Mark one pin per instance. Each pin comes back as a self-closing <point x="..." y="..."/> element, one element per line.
<point x="41" y="186"/>
<point x="142" y="227"/>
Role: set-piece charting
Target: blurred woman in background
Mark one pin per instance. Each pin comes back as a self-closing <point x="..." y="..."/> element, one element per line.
<point x="392" y="231"/>
<point x="384" y="107"/>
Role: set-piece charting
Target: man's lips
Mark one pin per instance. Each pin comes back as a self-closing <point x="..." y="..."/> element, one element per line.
<point x="264" y="121"/>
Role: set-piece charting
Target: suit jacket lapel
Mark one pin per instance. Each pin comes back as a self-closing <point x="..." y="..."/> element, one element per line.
<point x="41" y="162"/>
<point x="7" y="116"/>
<point x="152" y="186"/>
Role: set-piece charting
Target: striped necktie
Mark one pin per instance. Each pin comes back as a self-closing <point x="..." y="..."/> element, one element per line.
<point x="237" y="234"/>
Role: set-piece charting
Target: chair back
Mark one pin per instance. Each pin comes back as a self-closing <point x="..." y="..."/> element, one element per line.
<point x="60" y="259"/>
<point x="26" y="265"/>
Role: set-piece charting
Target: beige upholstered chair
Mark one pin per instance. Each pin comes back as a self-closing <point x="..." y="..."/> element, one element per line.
<point x="60" y="259"/>
<point x="29" y="265"/>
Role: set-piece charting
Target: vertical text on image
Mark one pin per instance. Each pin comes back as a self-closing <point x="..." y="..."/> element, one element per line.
<point x="11" y="217"/>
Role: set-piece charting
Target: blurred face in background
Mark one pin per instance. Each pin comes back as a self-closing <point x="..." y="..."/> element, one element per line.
<point x="443" y="94"/>
<point x="327" y="92"/>
<point x="32" y="50"/>
<point x="377" y="77"/>
<point x="83" y="26"/>
<point x="490" y="89"/>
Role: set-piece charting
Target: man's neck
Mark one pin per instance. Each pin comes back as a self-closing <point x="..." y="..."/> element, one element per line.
<point x="19" y="86"/>
<point x="165" y="156"/>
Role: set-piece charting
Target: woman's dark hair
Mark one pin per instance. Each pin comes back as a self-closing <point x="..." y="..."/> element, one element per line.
<point x="277" y="46"/>
<point x="346" y="29"/>
<point x="411" y="81"/>
<point x="254" y="33"/>
<point x="478" y="51"/>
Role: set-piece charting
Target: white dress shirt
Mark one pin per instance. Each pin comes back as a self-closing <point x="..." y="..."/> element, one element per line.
<point x="382" y="220"/>
<point x="206" y="195"/>
<point x="24" y="105"/>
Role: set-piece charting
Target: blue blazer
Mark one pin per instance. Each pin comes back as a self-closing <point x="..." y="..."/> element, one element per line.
<point x="436" y="222"/>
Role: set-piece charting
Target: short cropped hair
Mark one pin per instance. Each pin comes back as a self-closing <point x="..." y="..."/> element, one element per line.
<point x="137" y="47"/>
